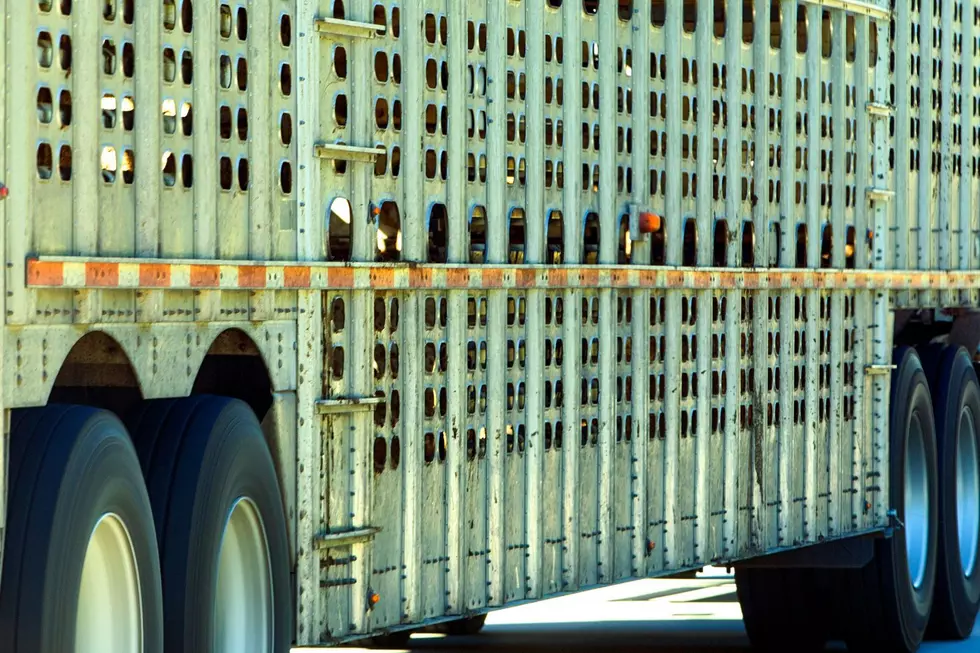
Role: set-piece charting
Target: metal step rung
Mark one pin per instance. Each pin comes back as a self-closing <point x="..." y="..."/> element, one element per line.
<point x="856" y="7"/>
<point x="347" y="406"/>
<point x="325" y="541"/>
<point x="880" y="194"/>
<point x="346" y="152"/>
<point x="880" y="110"/>
<point x="351" y="28"/>
<point x="879" y="370"/>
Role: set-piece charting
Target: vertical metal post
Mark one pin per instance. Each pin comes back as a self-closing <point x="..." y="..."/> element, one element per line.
<point x="86" y="92"/>
<point x="205" y="132"/>
<point x="310" y="614"/>
<point x="703" y="36"/>
<point x="534" y="221"/>
<point x="571" y="371"/>
<point x="943" y="231"/>
<point x="608" y="214"/>
<point x="838" y="453"/>
<point x="641" y="302"/>
<point x="790" y="449"/>
<point x="497" y="299"/>
<point x="896" y="239"/>
<point x="814" y="64"/>
<point x="413" y="240"/>
<point x="457" y="244"/>
<point x="360" y="329"/>
<point x="673" y="28"/>
<point x="733" y="327"/>
<point x="260" y="39"/>
<point x="20" y="145"/>
<point x="925" y="241"/>
<point x="862" y="305"/>
<point x="147" y="26"/>
<point x="967" y="251"/>
<point x="886" y="217"/>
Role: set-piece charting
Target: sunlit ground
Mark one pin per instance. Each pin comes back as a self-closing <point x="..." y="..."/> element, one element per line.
<point x="666" y="616"/>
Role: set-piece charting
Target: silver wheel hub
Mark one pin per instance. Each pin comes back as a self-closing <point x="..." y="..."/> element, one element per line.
<point x="109" y="617"/>
<point x="243" y="605"/>
<point x="967" y="491"/>
<point x="916" y="503"/>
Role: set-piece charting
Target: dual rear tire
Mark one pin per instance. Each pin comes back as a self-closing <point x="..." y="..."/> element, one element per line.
<point x="172" y="540"/>
<point x="924" y="580"/>
<point x="956" y="396"/>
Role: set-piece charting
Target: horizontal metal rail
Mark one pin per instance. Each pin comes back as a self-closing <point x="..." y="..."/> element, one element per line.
<point x="134" y="274"/>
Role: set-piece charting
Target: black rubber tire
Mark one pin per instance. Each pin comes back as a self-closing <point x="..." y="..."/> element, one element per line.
<point x="881" y="608"/>
<point x="69" y="466"/>
<point x="781" y="607"/>
<point x="200" y="455"/>
<point x="467" y="626"/>
<point x="929" y="356"/>
<point x="957" y="596"/>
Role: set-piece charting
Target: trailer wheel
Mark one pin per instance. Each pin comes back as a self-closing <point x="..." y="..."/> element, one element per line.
<point x="81" y="570"/>
<point x="956" y="397"/>
<point x="781" y="607"/>
<point x="889" y="600"/>
<point x="220" y="524"/>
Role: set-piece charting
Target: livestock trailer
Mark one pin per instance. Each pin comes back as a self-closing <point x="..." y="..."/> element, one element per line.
<point x="335" y="319"/>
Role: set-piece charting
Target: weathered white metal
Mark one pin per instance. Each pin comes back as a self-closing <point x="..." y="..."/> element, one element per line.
<point x="567" y="292"/>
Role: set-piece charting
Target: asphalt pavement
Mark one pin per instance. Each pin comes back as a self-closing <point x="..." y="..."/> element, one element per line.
<point x="660" y="616"/>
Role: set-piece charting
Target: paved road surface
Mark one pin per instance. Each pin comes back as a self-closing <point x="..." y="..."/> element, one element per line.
<point x="662" y="616"/>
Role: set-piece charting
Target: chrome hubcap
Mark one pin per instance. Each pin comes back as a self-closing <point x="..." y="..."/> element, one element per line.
<point x="244" y="621"/>
<point x="967" y="491"/>
<point x="109" y="617"/>
<point x="916" y="503"/>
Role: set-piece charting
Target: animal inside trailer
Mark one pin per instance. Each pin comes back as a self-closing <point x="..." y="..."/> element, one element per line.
<point x="331" y="319"/>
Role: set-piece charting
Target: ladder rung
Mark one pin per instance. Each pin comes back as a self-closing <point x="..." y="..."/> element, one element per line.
<point x="353" y="28"/>
<point x="880" y="194"/>
<point x="880" y="109"/>
<point x="347" y="152"/>
<point x="878" y="370"/>
<point x="857" y="7"/>
<point x="347" y="406"/>
<point x="325" y="541"/>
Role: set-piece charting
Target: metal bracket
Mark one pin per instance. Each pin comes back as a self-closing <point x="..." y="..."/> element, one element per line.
<point x="347" y="152"/>
<point x="346" y="406"/>
<point x="350" y="28"/>
<point x="325" y="541"/>
<point x="894" y="523"/>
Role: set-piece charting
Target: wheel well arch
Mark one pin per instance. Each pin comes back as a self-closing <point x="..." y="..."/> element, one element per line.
<point x="97" y="371"/>
<point x="115" y="368"/>
<point x="234" y="366"/>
